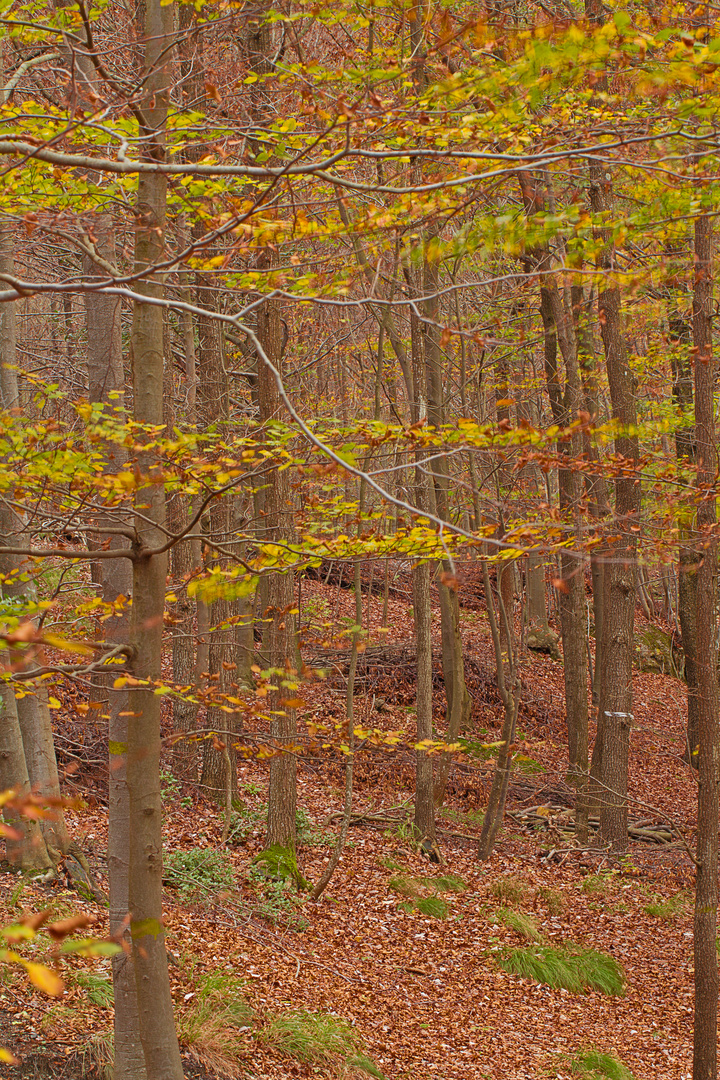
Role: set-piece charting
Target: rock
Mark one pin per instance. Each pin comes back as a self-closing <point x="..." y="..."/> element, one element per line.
<point x="655" y="652"/>
<point x="543" y="640"/>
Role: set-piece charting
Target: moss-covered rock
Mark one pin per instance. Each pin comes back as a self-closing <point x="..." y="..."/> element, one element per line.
<point x="543" y="640"/>
<point x="280" y="864"/>
<point x="655" y="652"/>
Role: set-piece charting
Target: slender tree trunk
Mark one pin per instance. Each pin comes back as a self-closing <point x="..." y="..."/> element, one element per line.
<point x="32" y="709"/>
<point x="456" y="694"/>
<point x="565" y="403"/>
<point x="25" y="845"/>
<point x="157" y="1027"/>
<point x="508" y="685"/>
<point x="424" y="794"/>
<point x="350" y="754"/>
<point x="612" y="744"/>
<point x="706" y="888"/>
<point x="279" y="620"/>
<point x="687" y="555"/>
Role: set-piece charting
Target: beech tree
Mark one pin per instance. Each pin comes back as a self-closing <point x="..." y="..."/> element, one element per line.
<point x="347" y="305"/>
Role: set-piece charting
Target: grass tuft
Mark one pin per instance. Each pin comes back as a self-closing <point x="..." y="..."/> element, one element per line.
<point x="553" y="900"/>
<point x="388" y="863"/>
<point x="99" y="990"/>
<point x="521" y="923"/>
<point x="509" y="889"/>
<point x="595" y="1065"/>
<point x="669" y="909"/>
<point x="597" y="884"/>
<point x="448" y="883"/>
<point x="97" y="1055"/>
<point x="319" y="1039"/>
<point x="405" y="885"/>
<point x="215" y="1023"/>
<point x="568" y="967"/>
<point x="434" y="906"/>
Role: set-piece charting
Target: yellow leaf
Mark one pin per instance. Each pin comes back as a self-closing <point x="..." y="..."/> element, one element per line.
<point x="45" y="979"/>
<point x="7" y="1057"/>
<point x="53" y="703"/>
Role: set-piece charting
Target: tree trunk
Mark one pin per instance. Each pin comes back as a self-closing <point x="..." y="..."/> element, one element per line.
<point x="456" y="694"/>
<point x="32" y="705"/>
<point x="612" y="744"/>
<point x="508" y="685"/>
<point x="706" y="887"/>
<point x="682" y="392"/>
<point x="424" y="794"/>
<point x="157" y="1028"/>
<point x="106" y="384"/>
<point x="25" y="845"/>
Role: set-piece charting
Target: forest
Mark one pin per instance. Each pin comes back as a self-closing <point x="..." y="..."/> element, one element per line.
<point x="358" y="539"/>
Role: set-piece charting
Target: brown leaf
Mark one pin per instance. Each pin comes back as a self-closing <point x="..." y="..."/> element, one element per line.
<point x="65" y="927"/>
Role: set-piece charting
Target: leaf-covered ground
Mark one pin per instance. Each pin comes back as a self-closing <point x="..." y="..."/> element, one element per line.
<point x="406" y="953"/>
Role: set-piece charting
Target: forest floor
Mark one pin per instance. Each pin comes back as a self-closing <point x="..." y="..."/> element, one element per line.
<point x="398" y="966"/>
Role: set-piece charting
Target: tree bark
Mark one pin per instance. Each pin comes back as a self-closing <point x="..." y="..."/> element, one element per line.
<point x="157" y="1028"/>
<point x="106" y="384"/>
<point x="706" y="887"/>
<point x="32" y="709"/>
<point x="424" y="794"/>
<point x="25" y="847"/>
<point x="612" y="743"/>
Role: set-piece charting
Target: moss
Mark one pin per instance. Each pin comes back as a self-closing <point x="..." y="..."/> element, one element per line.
<point x="280" y="864"/>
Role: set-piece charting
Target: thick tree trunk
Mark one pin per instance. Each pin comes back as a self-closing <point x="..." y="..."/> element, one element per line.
<point x="106" y="384"/>
<point x="157" y="1028"/>
<point x="706" y="888"/>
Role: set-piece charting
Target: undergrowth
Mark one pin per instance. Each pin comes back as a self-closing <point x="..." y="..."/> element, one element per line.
<point x="521" y="923"/>
<point x="464" y="817"/>
<point x="319" y="1039"/>
<point x="248" y="821"/>
<point x="598" y="884"/>
<point x="596" y="1065"/>
<point x="217" y="1025"/>
<point x="422" y="893"/>
<point x="566" y="967"/>
<point x="198" y="874"/>
<point x="669" y="909"/>
<point x="98" y="988"/>
<point x="309" y="834"/>
<point x="511" y="890"/>
<point x="278" y="902"/>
